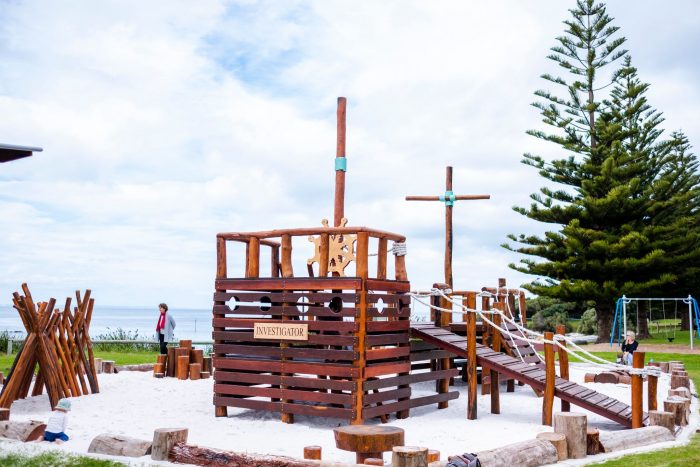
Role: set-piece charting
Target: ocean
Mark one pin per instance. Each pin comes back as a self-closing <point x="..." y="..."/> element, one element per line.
<point x="190" y="323"/>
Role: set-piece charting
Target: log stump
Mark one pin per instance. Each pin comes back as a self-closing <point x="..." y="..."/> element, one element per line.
<point x="409" y="456"/>
<point x="183" y="366"/>
<point x="195" y="370"/>
<point x="593" y="446"/>
<point x="206" y="364"/>
<point x="589" y="378"/>
<point x="158" y="368"/>
<point x="4" y="414"/>
<point x="558" y="440"/>
<point x="679" y="406"/>
<point x="197" y="356"/>
<point x="118" y="445"/>
<point x="108" y="366"/>
<point x="31" y="430"/>
<point x="162" y="358"/>
<point x="163" y="441"/>
<point x="573" y="425"/>
<point x="663" y="366"/>
<point x="531" y="453"/>
<point x="433" y="455"/>
<point x="368" y="441"/>
<point x="665" y="419"/>
<point x="204" y="375"/>
<point x="98" y="365"/>
<point x="171" y="362"/>
<point x="312" y="453"/>
<point x="680" y="392"/>
<point x="680" y="382"/>
<point x="627" y="439"/>
<point x="186" y="344"/>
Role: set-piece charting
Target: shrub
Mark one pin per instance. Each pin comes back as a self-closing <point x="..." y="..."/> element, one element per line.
<point x="589" y="322"/>
<point x="120" y="334"/>
<point x="547" y="319"/>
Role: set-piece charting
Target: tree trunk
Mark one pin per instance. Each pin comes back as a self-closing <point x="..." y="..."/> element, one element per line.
<point x="574" y="426"/>
<point x="558" y="440"/>
<point x="642" y="320"/>
<point x="164" y="439"/>
<point x="627" y="439"/>
<point x="604" y="314"/>
<point x="186" y="454"/>
<point x="117" y="445"/>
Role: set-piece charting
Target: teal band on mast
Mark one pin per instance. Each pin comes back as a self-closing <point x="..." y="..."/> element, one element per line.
<point x="341" y="163"/>
<point x="448" y="198"/>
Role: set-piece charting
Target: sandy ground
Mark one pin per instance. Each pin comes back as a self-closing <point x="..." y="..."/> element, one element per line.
<point x="134" y="404"/>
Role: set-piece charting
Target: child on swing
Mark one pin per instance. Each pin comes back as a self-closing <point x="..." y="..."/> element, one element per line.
<point x="628" y="347"/>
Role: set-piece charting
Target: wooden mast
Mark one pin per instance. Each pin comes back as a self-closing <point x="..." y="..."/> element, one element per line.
<point x="448" y="198"/>
<point x="340" y="165"/>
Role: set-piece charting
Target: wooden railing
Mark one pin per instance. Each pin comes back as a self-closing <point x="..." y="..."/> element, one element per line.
<point x="281" y="251"/>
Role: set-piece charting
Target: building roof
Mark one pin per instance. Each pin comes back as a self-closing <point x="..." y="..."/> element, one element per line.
<point x="10" y="152"/>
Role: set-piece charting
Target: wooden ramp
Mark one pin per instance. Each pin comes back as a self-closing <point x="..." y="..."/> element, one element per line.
<point x="530" y="374"/>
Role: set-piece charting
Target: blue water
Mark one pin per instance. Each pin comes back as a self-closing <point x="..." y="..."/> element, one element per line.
<point x="190" y="323"/>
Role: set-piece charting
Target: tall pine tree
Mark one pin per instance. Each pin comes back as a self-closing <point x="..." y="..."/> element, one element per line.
<point x="613" y="203"/>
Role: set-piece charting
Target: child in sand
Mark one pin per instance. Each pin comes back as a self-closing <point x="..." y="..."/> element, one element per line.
<point x="56" y="428"/>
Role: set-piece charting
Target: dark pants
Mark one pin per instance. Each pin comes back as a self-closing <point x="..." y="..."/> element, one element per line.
<point x="48" y="436"/>
<point x="163" y="344"/>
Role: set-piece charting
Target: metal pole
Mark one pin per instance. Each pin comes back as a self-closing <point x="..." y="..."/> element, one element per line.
<point x="624" y="317"/>
<point x="690" y="319"/>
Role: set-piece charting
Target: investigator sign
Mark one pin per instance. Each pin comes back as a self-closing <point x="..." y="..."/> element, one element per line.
<point x="283" y="331"/>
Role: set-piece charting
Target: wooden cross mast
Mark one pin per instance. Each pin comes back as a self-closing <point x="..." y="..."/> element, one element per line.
<point x="448" y="198"/>
<point x="340" y="165"/>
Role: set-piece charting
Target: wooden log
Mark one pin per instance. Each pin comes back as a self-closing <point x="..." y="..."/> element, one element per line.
<point x="663" y="366"/>
<point x="409" y="456"/>
<point x="25" y="431"/>
<point x="574" y="426"/>
<point x="186" y="344"/>
<point x="205" y="375"/>
<point x="680" y="382"/>
<point x="162" y="358"/>
<point x="665" y="419"/>
<point x="118" y="445"/>
<point x="312" y="452"/>
<point x="626" y="439"/>
<point x="681" y="392"/>
<point x="611" y="377"/>
<point x="158" y="368"/>
<point x="548" y="399"/>
<point x="4" y="414"/>
<point x="433" y="455"/>
<point x="135" y="367"/>
<point x="197" y="356"/>
<point x="182" y="453"/>
<point x="637" y="386"/>
<point x="679" y="373"/>
<point x="164" y="439"/>
<point x="183" y="366"/>
<point x="206" y="364"/>
<point x="593" y="446"/>
<point x="171" y="362"/>
<point x="589" y="377"/>
<point x="195" y="370"/>
<point x="531" y="453"/>
<point x="678" y="406"/>
<point x="98" y="365"/>
<point x="558" y="440"/>
<point x="108" y="366"/>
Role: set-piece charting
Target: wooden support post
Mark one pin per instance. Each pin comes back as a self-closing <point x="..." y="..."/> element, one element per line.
<point x="275" y="261"/>
<point x="362" y="271"/>
<point x="574" y="426"/>
<point x="253" y="261"/>
<point x="563" y="364"/>
<point x="382" y="252"/>
<point x="183" y="366"/>
<point x="637" y="390"/>
<point x="286" y="265"/>
<point x="409" y="456"/>
<point x="548" y="400"/>
<point x="652" y="382"/>
<point x="485" y="340"/>
<point x="471" y="359"/>
<point x="220" y="259"/>
<point x="496" y="346"/>
<point x="324" y="257"/>
<point x="164" y="439"/>
<point x="400" y="273"/>
<point x="312" y="453"/>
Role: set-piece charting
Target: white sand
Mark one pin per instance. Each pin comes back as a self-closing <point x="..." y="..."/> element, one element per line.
<point x="134" y="404"/>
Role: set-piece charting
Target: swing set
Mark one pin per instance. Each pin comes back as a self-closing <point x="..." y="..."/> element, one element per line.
<point x="621" y="309"/>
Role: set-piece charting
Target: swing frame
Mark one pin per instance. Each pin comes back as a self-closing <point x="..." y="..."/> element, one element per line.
<point x="621" y="310"/>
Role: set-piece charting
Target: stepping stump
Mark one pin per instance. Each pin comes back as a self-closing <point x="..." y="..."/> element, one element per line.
<point x="559" y="442"/>
<point x="367" y="441"/>
<point x="312" y="453"/>
<point x="593" y="446"/>
<point x="679" y="407"/>
<point x="574" y="426"/>
<point x="665" y="419"/>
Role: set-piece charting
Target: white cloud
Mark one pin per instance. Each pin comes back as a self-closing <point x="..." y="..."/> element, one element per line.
<point x="164" y="123"/>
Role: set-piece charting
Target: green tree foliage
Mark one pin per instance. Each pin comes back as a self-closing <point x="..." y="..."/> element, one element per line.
<point x="618" y="182"/>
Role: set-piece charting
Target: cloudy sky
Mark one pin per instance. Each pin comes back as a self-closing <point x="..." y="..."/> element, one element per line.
<point x="165" y="122"/>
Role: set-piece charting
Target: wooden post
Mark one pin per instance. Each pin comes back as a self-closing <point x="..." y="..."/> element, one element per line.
<point x="574" y="426"/>
<point x="409" y="456"/>
<point x="170" y="370"/>
<point x="652" y="381"/>
<point x="286" y="265"/>
<point x="400" y="273"/>
<point x="382" y="251"/>
<point x="362" y="271"/>
<point x="323" y="260"/>
<point x="164" y="439"/>
<point x="496" y="346"/>
<point x="637" y="390"/>
<point x="253" y="257"/>
<point x="471" y="358"/>
<point x="339" y="204"/>
<point x="563" y="364"/>
<point x="312" y="453"/>
<point x="548" y="400"/>
<point x="183" y="366"/>
<point x="220" y="258"/>
<point x="275" y="261"/>
<point x="195" y="370"/>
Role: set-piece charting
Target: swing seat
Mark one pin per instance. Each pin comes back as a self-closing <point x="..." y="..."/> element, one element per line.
<point x="670" y="339"/>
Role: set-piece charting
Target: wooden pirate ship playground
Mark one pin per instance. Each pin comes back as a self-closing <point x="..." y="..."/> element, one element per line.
<point x="336" y="339"/>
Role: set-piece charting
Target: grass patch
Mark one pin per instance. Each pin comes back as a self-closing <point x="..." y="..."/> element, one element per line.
<point x="120" y="358"/>
<point x="54" y="459"/>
